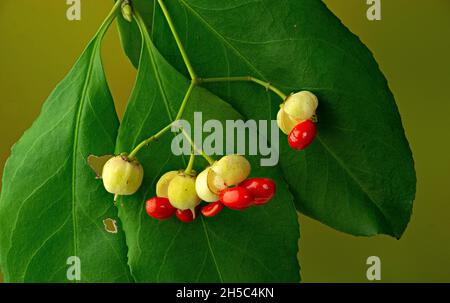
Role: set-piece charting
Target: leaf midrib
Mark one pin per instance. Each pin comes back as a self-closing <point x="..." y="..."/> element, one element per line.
<point x="355" y="179"/>
<point x="149" y="47"/>
<point x="86" y="84"/>
<point x="205" y="229"/>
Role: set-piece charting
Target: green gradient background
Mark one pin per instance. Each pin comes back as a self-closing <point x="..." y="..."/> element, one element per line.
<point x="412" y="44"/>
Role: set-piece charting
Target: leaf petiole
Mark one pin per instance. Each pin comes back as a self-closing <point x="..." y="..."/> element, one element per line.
<point x="266" y="85"/>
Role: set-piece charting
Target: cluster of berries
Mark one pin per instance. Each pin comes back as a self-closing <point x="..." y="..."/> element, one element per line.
<point x="223" y="184"/>
<point x="295" y="119"/>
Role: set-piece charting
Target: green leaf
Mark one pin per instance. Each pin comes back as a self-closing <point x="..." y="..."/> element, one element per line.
<point x="255" y="245"/>
<point x="358" y="176"/>
<point x="51" y="205"/>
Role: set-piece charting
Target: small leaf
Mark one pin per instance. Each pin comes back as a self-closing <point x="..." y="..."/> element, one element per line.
<point x="97" y="163"/>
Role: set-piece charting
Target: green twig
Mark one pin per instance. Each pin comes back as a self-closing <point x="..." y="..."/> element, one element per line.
<point x="185" y="100"/>
<point x="186" y="60"/>
<point x="188" y="169"/>
<point x="166" y="128"/>
<point x="191" y="142"/>
<point x="149" y="140"/>
<point x="266" y="85"/>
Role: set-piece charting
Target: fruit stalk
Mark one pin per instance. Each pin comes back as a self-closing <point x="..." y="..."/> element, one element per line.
<point x="266" y="85"/>
<point x="166" y="128"/>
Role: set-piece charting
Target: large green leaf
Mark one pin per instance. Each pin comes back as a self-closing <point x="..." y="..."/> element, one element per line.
<point x="255" y="245"/>
<point x="359" y="175"/>
<point x="51" y="206"/>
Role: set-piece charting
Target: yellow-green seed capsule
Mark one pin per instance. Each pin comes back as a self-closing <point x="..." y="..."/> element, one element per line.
<point x="301" y="106"/>
<point x="181" y="192"/>
<point x="233" y="169"/>
<point x="122" y="176"/>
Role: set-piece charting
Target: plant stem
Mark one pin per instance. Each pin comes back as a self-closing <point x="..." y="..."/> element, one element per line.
<point x="186" y="60"/>
<point x="148" y="140"/>
<point x="204" y="155"/>
<point x="166" y="128"/>
<point x="185" y="100"/>
<point x="188" y="169"/>
<point x="267" y="85"/>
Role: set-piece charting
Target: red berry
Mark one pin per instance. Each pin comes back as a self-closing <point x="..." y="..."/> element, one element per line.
<point x="212" y="209"/>
<point x="159" y="208"/>
<point x="262" y="189"/>
<point x="236" y="198"/>
<point x="186" y="215"/>
<point x="302" y="135"/>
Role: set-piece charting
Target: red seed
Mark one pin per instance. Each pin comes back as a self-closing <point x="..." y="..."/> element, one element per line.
<point x="212" y="209"/>
<point x="302" y="135"/>
<point x="262" y="189"/>
<point x="236" y="198"/>
<point x="186" y="215"/>
<point x="159" y="208"/>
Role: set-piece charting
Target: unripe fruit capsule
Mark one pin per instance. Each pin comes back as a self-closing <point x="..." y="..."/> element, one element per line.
<point x="215" y="182"/>
<point x="297" y="108"/>
<point x="301" y="106"/>
<point x="159" y="208"/>
<point x="202" y="188"/>
<point x="212" y="209"/>
<point x="232" y="168"/>
<point x="163" y="183"/>
<point x="302" y="135"/>
<point x="262" y="189"/>
<point x="285" y="122"/>
<point x="181" y="192"/>
<point x="122" y="176"/>
<point x="236" y="198"/>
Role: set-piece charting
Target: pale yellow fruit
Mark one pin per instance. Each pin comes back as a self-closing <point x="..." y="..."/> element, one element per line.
<point x="301" y="106"/>
<point x="181" y="192"/>
<point x="163" y="183"/>
<point x="285" y="122"/>
<point x="215" y="182"/>
<point x="233" y="169"/>
<point x="202" y="188"/>
<point x="122" y="176"/>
